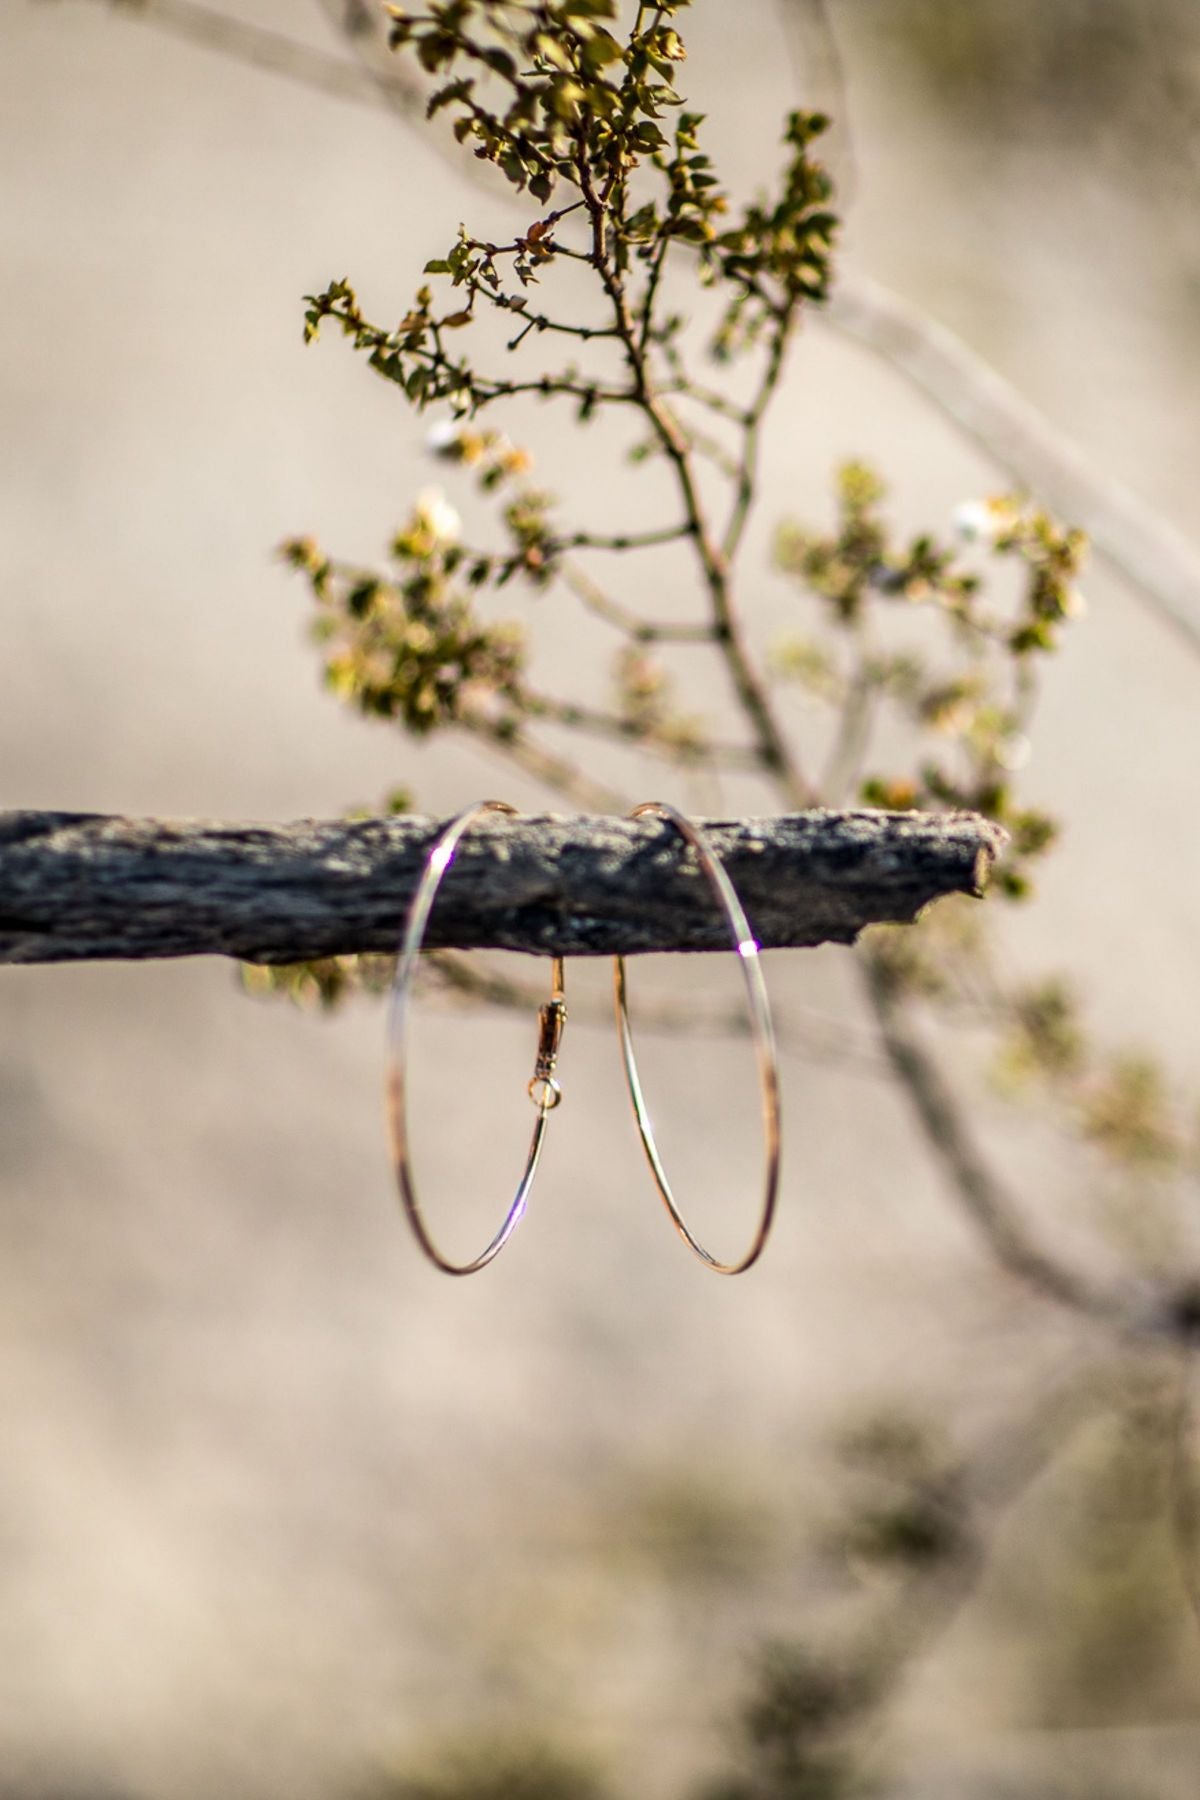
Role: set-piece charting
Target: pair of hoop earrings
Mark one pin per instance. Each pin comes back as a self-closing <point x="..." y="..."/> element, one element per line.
<point x="543" y="1088"/>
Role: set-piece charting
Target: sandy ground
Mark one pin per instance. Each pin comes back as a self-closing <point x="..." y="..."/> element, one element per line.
<point x="276" y="1504"/>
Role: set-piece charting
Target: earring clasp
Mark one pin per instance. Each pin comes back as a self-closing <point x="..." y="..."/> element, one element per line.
<point x="544" y="1090"/>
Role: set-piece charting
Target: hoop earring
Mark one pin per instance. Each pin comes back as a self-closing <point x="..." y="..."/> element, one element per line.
<point x="543" y="1089"/>
<point x="746" y="947"/>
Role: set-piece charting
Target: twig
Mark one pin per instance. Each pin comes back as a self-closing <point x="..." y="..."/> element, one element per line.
<point x="777" y="753"/>
<point x="799" y="1031"/>
<point x="635" y="731"/>
<point x="273" y="51"/>
<point x="624" y="540"/>
<point x="853" y="729"/>
<point x="713" y="450"/>
<point x="684" y="388"/>
<point x="821" y="78"/>
<point x="76" y="886"/>
<point x="1000" y="1475"/>
<point x="642" y="631"/>
<point x="747" y="475"/>
<point x="981" y="1194"/>
<point x="546" y="387"/>
<point x="510" y="740"/>
<point x="1184" y="1493"/>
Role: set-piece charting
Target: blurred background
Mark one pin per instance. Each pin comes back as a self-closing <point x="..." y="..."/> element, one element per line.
<point x="282" y="1512"/>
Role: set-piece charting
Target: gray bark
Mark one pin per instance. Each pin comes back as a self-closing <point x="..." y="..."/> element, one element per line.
<point x="80" y="885"/>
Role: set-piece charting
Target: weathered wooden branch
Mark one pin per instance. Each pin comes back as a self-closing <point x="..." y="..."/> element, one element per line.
<point x="85" y="885"/>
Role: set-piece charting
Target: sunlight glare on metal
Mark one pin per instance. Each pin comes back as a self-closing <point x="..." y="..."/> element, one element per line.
<point x="442" y="857"/>
<point x="747" y="947"/>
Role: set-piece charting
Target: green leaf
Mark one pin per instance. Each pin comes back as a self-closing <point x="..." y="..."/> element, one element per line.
<point x="501" y="62"/>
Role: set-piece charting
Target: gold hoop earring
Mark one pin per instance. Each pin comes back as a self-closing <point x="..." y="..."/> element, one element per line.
<point x="746" y="947"/>
<point x="543" y="1089"/>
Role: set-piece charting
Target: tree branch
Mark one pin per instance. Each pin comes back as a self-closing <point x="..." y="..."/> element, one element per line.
<point x="820" y="75"/>
<point x="1134" y="1308"/>
<point x="275" y="52"/>
<point x="654" y="739"/>
<point x="80" y="885"/>
<point x="613" y="612"/>
<point x="800" y="1031"/>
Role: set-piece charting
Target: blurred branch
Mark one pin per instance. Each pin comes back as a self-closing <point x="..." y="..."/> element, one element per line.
<point x="76" y="886"/>
<point x="843" y="765"/>
<point x="1161" y="564"/>
<point x="820" y="77"/>
<point x="622" y="729"/>
<point x="613" y="612"/>
<point x="275" y="51"/>
<point x="1184" y="1486"/>
<point x="989" y="1485"/>
<point x="994" y="1213"/>
<point x="363" y="25"/>
<point x="799" y="1031"/>
<point x="511" y="740"/>
<point x="1155" y="558"/>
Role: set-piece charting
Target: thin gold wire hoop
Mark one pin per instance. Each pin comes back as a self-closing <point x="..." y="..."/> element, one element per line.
<point x="544" y="1090"/>
<point x="746" y="946"/>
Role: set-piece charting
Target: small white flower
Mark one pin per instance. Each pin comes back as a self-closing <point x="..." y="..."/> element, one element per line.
<point x="1014" y="751"/>
<point x="438" y="517"/>
<point x="982" y="521"/>
<point x="442" y="437"/>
